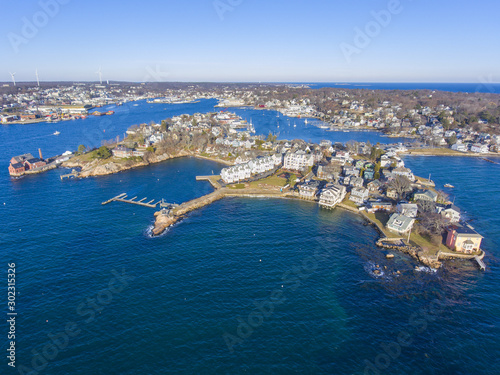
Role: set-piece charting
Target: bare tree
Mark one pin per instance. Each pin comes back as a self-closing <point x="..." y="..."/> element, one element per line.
<point x="432" y="222"/>
<point x="401" y="184"/>
<point x="426" y="206"/>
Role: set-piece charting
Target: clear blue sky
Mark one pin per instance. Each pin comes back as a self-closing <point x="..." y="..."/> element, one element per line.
<point x="253" y="40"/>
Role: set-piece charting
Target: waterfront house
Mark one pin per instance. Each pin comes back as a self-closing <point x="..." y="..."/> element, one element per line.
<point x="125" y="152"/>
<point x="459" y="146"/>
<point x="332" y="195"/>
<point x="425" y="195"/>
<point x="400" y="224"/>
<point x="359" y="195"/>
<point x="308" y="190"/>
<point x="401" y="171"/>
<point x="450" y="212"/>
<point x="407" y="209"/>
<point x="463" y="239"/>
<point x="479" y="148"/>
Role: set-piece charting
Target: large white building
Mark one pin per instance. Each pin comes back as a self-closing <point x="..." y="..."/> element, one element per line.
<point x="332" y="195"/>
<point x="298" y="161"/>
<point x="244" y="171"/>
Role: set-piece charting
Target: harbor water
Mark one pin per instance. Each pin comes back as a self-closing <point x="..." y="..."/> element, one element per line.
<point x="245" y="285"/>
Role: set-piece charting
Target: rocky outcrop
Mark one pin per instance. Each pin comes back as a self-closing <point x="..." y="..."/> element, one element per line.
<point x="162" y="222"/>
<point x="111" y="166"/>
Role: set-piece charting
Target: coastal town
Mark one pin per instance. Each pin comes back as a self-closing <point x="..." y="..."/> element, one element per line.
<point x="464" y="123"/>
<point x="372" y="180"/>
<point x="410" y="212"/>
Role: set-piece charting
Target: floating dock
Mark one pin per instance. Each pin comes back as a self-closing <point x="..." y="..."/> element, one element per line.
<point x="123" y="198"/>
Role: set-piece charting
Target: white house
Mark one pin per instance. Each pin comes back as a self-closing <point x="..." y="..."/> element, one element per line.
<point x="404" y="172"/>
<point x="359" y="195"/>
<point x="451" y="212"/>
<point x="407" y="209"/>
<point x="459" y="146"/>
<point x="400" y="224"/>
<point x="332" y="195"/>
<point x="308" y="190"/>
<point x="479" y="148"/>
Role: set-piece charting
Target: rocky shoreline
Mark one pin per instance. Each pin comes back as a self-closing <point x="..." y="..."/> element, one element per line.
<point x="98" y="167"/>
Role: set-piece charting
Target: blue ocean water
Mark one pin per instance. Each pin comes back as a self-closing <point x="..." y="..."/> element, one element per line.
<point x="483" y="86"/>
<point x="242" y="286"/>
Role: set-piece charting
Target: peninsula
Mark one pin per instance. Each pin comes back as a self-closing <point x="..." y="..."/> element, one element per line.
<point x="411" y="214"/>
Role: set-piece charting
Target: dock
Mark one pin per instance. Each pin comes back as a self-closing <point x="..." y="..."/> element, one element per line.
<point x="212" y="179"/>
<point x="73" y="173"/>
<point x="123" y="198"/>
<point x="480" y="262"/>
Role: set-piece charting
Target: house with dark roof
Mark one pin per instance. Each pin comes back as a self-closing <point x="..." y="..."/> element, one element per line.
<point x="463" y="239"/>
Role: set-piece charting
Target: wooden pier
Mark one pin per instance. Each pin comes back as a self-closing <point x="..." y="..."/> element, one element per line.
<point x="123" y="198"/>
<point x="480" y="262"/>
<point x="73" y="173"/>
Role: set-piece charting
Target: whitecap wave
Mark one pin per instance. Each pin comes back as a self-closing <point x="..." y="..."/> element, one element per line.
<point x="425" y="269"/>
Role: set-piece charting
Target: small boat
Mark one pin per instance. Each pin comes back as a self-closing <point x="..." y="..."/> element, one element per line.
<point x="57" y="132"/>
<point x="449" y="186"/>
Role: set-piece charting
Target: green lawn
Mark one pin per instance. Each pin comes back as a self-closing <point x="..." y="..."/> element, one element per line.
<point x="271" y="181"/>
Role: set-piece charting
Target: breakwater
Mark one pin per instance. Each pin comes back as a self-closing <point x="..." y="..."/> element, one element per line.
<point x="165" y="218"/>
